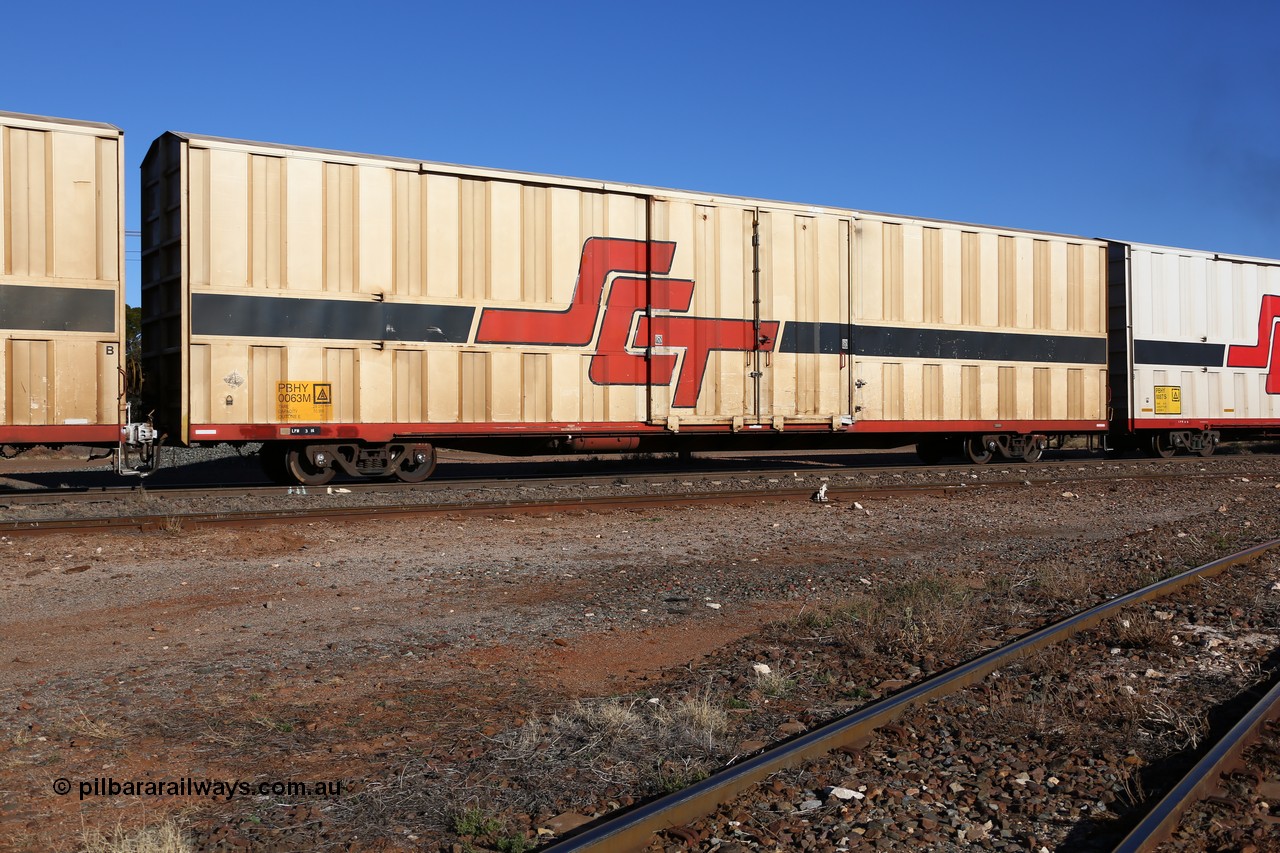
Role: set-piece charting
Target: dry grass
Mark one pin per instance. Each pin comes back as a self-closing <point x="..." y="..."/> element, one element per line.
<point x="928" y="614"/>
<point x="695" y="719"/>
<point x="775" y="684"/>
<point x="1050" y="696"/>
<point x="604" y="721"/>
<point x="699" y="719"/>
<point x="167" y="836"/>
<point x="652" y="745"/>
<point x="1171" y="723"/>
<point x="524" y="741"/>
<point x="1066" y="580"/>
<point x="1011" y="590"/>
<point x="85" y="726"/>
<point x="1137" y="630"/>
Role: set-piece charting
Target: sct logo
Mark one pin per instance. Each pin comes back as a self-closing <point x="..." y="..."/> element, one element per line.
<point x="624" y="325"/>
<point x="1266" y="352"/>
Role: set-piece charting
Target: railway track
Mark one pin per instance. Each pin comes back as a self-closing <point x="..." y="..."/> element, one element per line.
<point x="680" y="490"/>
<point x="637" y="827"/>
<point x="185" y="521"/>
<point x="243" y="479"/>
<point x="1205" y="779"/>
<point x="139" y="507"/>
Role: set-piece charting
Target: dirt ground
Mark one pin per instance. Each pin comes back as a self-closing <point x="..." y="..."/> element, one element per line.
<point x="341" y="653"/>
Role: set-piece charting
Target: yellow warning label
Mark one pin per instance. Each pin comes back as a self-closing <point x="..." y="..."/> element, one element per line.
<point x="304" y="401"/>
<point x="1168" y="399"/>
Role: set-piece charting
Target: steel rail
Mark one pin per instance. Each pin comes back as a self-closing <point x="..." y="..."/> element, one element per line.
<point x="1043" y="471"/>
<point x="634" y="828"/>
<point x="448" y="483"/>
<point x="846" y="492"/>
<point x="358" y="513"/>
<point x="1201" y="780"/>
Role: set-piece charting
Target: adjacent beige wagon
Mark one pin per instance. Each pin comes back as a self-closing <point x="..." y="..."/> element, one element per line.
<point x="61" y="281"/>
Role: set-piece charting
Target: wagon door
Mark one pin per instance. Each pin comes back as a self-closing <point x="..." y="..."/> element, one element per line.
<point x="805" y="282"/>
<point x="750" y="325"/>
<point x="707" y="339"/>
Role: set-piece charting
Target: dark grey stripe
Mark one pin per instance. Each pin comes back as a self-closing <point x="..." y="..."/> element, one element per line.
<point x="960" y="345"/>
<point x="328" y="319"/>
<point x="1170" y="352"/>
<point x="36" y="308"/>
<point x="814" y="337"/>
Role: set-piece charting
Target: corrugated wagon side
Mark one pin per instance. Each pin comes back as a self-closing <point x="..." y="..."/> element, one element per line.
<point x="355" y="312"/>
<point x="61" y="281"/>
<point x="978" y="340"/>
<point x="1195" y="346"/>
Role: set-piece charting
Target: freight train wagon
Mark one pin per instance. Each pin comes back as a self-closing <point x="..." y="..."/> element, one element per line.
<point x="355" y="312"/>
<point x="61" y="281"/>
<point x="1195" y="353"/>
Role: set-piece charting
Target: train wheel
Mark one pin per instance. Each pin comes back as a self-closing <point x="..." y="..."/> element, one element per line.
<point x="1207" y="449"/>
<point x="977" y="451"/>
<point x="300" y="468"/>
<point x="417" y="465"/>
<point x="1033" y="452"/>
<point x="1160" y="445"/>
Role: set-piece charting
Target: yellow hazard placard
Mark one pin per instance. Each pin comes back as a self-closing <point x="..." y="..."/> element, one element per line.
<point x="1168" y="399"/>
<point x="304" y="401"/>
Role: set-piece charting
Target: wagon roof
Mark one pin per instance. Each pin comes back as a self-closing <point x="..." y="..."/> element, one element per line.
<point x="584" y="183"/>
<point x="1199" y="253"/>
<point x="28" y="117"/>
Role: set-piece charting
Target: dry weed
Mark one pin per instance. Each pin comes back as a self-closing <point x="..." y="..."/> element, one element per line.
<point x="167" y="836"/>
<point x="923" y="615"/>
<point x="522" y="743"/>
<point x="1133" y="792"/>
<point x="84" y="726"/>
<point x="1048" y="694"/>
<point x="699" y="720"/>
<point x="1066" y="580"/>
<point x="1019" y="711"/>
<point x="1137" y="630"/>
<point x="1165" y="721"/>
<point x="604" y="720"/>
<point x="774" y="683"/>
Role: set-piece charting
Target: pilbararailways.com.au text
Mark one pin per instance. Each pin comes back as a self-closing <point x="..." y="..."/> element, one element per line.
<point x="220" y="789"/>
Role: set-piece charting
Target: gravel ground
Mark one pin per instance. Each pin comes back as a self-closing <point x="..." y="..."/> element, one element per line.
<point x="1054" y="753"/>
<point x="481" y="682"/>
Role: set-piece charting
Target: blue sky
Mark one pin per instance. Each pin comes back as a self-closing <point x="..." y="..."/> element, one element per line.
<point x="1154" y="122"/>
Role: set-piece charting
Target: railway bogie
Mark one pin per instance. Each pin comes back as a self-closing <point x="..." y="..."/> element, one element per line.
<point x="980" y="449"/>
<point x="317" y="464"/>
